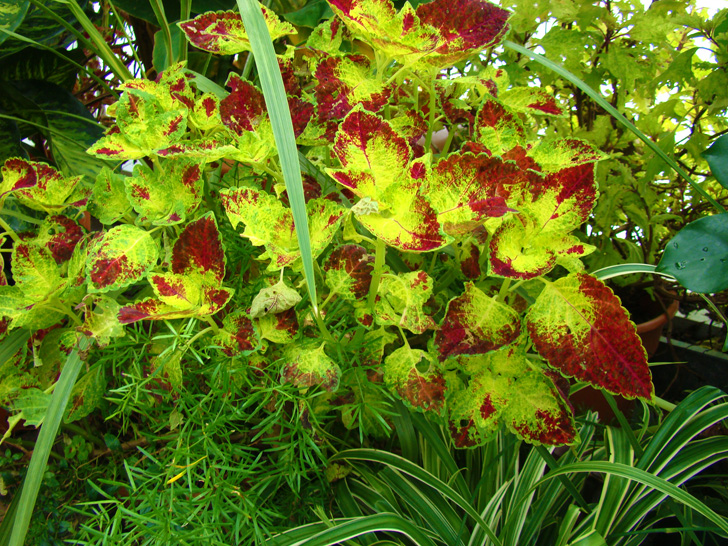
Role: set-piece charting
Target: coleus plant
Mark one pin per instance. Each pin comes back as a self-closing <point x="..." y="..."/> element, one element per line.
<point x="452" y="269"/>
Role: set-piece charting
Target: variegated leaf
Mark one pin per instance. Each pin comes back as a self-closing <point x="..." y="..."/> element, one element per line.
<point x="120" y="257"/>
<point x="239" y="335"/>
<point x="578" y="325"/>
<point x="475" y="323"/>
<point x="109" y="202"/>
<point x="349" y="272"/>
<point x="306" y="365"/>
<point x="415" y="377"/>
<point x="400" y="300"/>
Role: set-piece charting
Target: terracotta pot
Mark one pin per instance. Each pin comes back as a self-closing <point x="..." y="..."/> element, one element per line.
<point x="651" y="330"/>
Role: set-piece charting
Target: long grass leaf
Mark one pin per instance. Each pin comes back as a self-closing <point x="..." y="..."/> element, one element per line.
<point x="275" y="99"/>
<point x="642" y="477"/>
<point x="601" y="101"/>
<point x="12" y="344"/>
<point x="46" y="437"/>
<point x="407" y="467"/>
<point x="350" y="529"/>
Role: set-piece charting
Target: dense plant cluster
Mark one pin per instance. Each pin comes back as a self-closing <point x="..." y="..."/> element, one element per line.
<point x="442" y="281"/>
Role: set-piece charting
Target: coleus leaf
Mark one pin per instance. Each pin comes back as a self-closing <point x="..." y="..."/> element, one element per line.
<point x="205" y="114"/>
<point x="199" y="249"/>
<point x="167" y="195"/>
<point x="280" y="328"/>
<point x="349" y="271"/>
<point x="507" y="388"/>
<point x="239" y="335"/>
<point x="223" y="33"/>
<point x="415" y="377"/>
<point x="475" y="323"/>
<point x="268" y="223"/>
<point x="470" y="260"/>
<point x="497" y="127"/>
<point x="207" y="150"/>
<point x="120" y="257"/>
<point x="530" y="243"/>
<point x="372" y="347"/>
<point x="327" y="37"/>
<point x="531" y="100"/>
<point x="400" y="300"/>
<point x="465" y="189"/>
<point x="102" y="323"/>
<point x="399" y="35"/>
<point x="60" y="235"/>
<point x="464" y="27"/>
<point x="307" y="365"/>
<point x="109" y="202"/>
<point x="578" y="325"/>
<point x="178" y="296"/>
<point x="35" y="271"/>
<point x="41" y="187"/>
<point x="87" y="394"/>
<point x="274" y="299"/>
<point x="553" y="155"/>
<point x="344" y="82"/>
<point x="244" y="108"/>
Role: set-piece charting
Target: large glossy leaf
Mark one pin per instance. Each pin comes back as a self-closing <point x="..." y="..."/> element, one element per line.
<point x="698" y="254"/>
<point x="578" y="325"/>
<point x="12" y="13"/>
<point x="65" y="122"/>
<point x="717" y="157"/>
<point x="58" y="67"/>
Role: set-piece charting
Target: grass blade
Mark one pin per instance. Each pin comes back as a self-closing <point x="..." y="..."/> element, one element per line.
<point x="280" y="116"/>
<point x="601" y="101"/>
<point x="46" y="437"/>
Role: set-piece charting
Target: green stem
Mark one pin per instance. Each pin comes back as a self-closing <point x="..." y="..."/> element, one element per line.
<point x="10" y="231"/>
<point x="448" y="142"/>
<point x="561" y="71"/>
<point x="322" y="326"/>
<point x="23" y="217"/>
<point x="213" y="326"/>
<point x="663" y="404"/>
<point x="431" y="123"/>
<point x="84" y="434"/>
<point x="58" y="305"/>
<point x="380" y="253"/>
<point x="503" y="292"/>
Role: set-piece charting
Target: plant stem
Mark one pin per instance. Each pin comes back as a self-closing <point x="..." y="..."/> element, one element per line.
<point x="380" y="252"/>
<point x="215" y="328"/>
<point x="431" y="123"/>
<point x="664" y="404"/>
<point x="23" y="217"/>
<point x="322" y="326"/>
<point x="504" y="289"/>
<point x="10" y="231"/>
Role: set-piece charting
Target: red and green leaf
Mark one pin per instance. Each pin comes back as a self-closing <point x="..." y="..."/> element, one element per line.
<point x="41" y="187"/>
<point x="531" y="100"/>
<point x="239" y="335"/>
<point x="120" y="257"/>
<point x="349" y="271"/>
<point x="497" y="127"/>
<point x="507" y="388"/>
<point x="400" y="300"/>
<point x="103" y="323"/>
<point x="109" y="202"/>
<point x="274" y="299"/>
<point x="280" y="328"/>
<point x="17" y="174"/>
<point x="475" y="323"/>
<point x="167" y="195"/>
<point x="578" y="325"/>
<point x="223" y="33"/>
<point x="35" y="271"/>
<point x="415" y="377"/>
<point x="199" y="249"/>
<point x="307" y="365"/>
<point x="60" y="235"/>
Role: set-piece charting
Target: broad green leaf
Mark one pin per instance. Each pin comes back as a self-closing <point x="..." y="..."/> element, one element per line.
<point x="10" y="141"/>
<point x="400" y="301"/>
<point x="349" y="272"/>
<point x="698" y="254"/>
<point x="274" y="299"/>
<point x="307" y="365"/>
<point x="223" y="32"/>
<point x="58" y="67"/>
<point x="717" y="157"/>
<point x="109" y="202"/>
<point x="102" y="322"/>
<point x="68" y="126"/>
<point x="506" y="388"/>
<point x="475" y="323"/>
<point x="268" y="223"/>
<point x="35" y="271"/>
<point x="32" y="405"/>
<point x="12" y="13"/>
<point x="415" y="377"/>
<point x="578" y="325"/>
<point x="310" y="14"/>
<point x="167" y="195"/>
<point x="87" y="394"/>
<point x="122" y="256"/>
